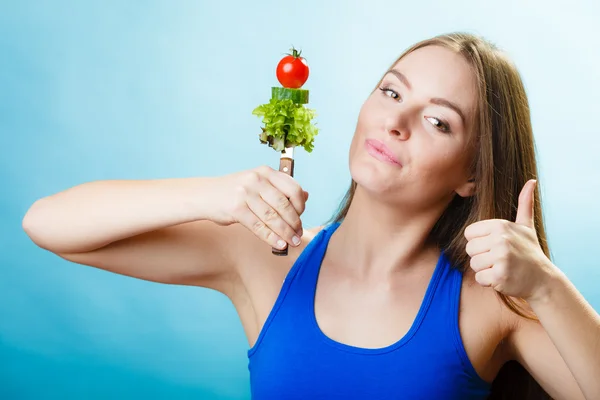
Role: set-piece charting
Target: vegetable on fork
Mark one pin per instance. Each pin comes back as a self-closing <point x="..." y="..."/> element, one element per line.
<point x="287" y="123"/>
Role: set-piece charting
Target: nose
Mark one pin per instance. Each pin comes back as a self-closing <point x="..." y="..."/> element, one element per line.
<point x="396" y="127"/>
<point x="397" y="122"/>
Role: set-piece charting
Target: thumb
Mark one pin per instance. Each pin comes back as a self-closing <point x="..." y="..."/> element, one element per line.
<point x="526" y="201"/>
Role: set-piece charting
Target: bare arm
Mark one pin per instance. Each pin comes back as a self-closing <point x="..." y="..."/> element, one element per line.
<point x="562" y="351"/>
<point x="92" y="215"/>
<point x="193" y="253"/>
<point x="157" y="230"/>
<point x="184" y="231"/>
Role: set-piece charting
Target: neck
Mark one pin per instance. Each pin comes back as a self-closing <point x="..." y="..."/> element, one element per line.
<point x="378" y="239"/>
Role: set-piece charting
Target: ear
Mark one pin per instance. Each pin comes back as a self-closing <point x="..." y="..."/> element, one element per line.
<point x="467" y="189"/>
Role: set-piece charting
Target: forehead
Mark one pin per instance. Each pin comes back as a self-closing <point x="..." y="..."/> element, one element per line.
<point x="435" y="71"/>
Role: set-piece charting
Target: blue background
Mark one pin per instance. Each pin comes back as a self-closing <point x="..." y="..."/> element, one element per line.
<point x="112" y="89"/>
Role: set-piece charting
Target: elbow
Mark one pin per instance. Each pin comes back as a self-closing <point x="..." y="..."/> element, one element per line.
<point x="28" y="223"/>
<point x="32" y="223"/>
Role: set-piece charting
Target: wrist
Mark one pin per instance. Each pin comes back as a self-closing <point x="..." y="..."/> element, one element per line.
<point x="552" y="282"/>
<point x="199" y="197"/>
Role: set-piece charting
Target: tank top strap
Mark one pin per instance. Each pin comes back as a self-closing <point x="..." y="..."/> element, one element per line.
<point x="309" y="262"/>
<point x="300" y="282"/>
<point x="443" y="314"/>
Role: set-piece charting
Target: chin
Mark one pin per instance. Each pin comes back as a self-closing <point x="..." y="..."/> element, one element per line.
<point x="372" y="177"/>
<point x="371" y="174"/>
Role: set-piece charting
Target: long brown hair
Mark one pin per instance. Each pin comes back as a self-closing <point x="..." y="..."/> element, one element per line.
<point x="504" y="160"/>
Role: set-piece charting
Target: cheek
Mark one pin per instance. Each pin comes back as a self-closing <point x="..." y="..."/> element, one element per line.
<point x="440" y="165"/>
<point x="363" y="122"/>
<point x="369" y="113"/>
<point x="363" y="126"/>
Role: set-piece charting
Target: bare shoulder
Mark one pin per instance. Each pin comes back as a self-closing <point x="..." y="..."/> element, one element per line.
<point x="258" y="266"/>
<point x="485" y="322"/>
<point x="260" y="277"/>
<point x="483" y="299"/>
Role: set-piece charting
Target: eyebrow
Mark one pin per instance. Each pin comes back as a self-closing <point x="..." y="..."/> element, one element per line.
<point x="436" y="100"/>
<point x="400" y="76"/>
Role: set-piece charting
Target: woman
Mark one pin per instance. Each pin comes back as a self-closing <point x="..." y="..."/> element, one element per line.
<point x="443" y="215"/>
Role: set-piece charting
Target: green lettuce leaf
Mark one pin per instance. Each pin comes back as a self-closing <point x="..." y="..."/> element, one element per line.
<point x="286" y="124"/>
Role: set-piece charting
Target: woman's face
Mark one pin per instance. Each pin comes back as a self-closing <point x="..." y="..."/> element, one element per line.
<point x="420" y="114"/>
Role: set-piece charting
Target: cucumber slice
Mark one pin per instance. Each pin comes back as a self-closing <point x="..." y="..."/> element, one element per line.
<point x="298" y="96"/>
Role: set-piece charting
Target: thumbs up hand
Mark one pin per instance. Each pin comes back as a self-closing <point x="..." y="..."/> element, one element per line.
<point x="507" y="256"/>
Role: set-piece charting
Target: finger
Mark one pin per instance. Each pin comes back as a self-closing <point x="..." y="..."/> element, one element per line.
<point x="478" y="245"/>
<point x="260" y="229"/>
<point x="482" y="228"/>
<point x="272" y="219"/>
<point x="280" y="203"/>
<point x="482" y="261"/>
<point x="526" y="201"/>
<point x="485" y="277"/>
<point x="290" y="188"/>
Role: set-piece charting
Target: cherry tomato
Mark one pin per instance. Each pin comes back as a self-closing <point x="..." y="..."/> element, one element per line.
<point x="292" y="70"/>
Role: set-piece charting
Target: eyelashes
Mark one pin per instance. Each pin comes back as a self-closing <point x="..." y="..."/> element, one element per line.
<point x="387" y="90"/>
<point x="441" y="125"/>
<point x="438" y="123"/>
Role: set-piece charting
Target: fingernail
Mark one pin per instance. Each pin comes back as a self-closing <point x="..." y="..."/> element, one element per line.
<point x="296" y="240"/>
<point x="281" y="244"/>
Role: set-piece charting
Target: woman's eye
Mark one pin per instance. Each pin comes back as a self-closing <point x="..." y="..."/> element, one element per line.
<point x="439" y="124"/>
<point x="390" y="93"/>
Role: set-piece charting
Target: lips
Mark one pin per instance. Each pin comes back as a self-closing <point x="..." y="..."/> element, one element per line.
<point x="380" y="151"/>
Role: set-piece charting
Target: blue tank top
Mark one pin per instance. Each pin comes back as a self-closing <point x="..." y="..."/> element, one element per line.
<point x="293" y="359"/>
